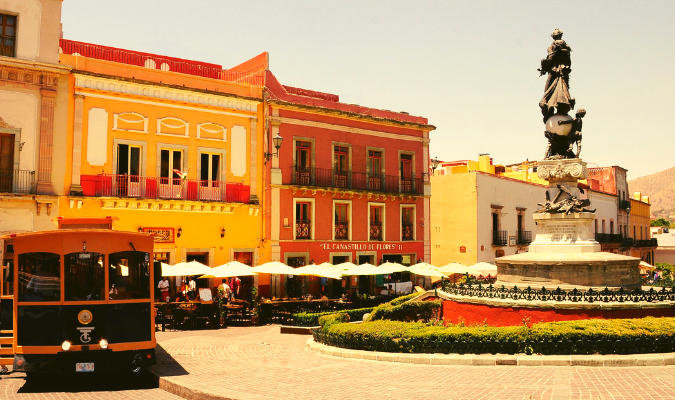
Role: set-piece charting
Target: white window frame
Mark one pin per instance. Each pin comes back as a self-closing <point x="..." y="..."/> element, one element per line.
<point x="138" y="143"/>
<point x="170" y="146"/>
<point x="400" y="221"/>
<point x="384" y="219"/>
<point x="312" y="201"/>
<point x="349" y="219"/>
<point x="212" y="150"/>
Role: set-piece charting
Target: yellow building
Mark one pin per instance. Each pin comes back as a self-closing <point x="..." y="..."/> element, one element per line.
<point x="643" y="244"/>
<point x="478" y="214"/>
<point x="168" y="146"/>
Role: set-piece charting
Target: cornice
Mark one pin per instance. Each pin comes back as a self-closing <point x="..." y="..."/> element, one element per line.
<point x="31" y="75"/>
<point x="340" y="113"/>
<point x="35" y="65"/>
<point x="163" y="91"/>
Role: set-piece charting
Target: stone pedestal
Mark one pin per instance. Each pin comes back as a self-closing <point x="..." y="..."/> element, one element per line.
<point x="563" y="233"/>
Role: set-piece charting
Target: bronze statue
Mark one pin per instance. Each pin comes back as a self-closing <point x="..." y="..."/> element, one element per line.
<point x="557" y="65"/>
<point x="575" y="134"/>
<point x="573" y="204"/>
<point x="561" y="146"/>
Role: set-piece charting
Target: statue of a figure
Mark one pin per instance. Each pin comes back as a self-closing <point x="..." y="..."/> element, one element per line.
<point x="562" y="146"/>
<point x="575" y="134"/>
<point x="573" y="204"/>
<point x="557" y="65"/>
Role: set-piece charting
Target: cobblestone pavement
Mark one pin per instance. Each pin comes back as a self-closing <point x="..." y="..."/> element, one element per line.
<point x="116" y="387"/>
<point x="259" y="363"/>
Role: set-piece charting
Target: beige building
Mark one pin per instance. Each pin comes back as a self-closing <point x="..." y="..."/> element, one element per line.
<point x="477" y="215"/>
<point x="33" y="113"/>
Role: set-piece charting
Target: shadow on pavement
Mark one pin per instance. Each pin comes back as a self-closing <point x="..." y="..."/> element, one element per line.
<point x="166" y="365"/>
<point x="89" y="382"/>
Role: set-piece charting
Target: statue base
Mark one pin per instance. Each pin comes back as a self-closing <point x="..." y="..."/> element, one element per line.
<point x="564" y="233"/>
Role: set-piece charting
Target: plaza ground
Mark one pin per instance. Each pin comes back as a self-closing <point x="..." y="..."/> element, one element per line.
<point x="259" y="363"/>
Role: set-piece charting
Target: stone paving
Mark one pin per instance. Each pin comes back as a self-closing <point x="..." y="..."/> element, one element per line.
<point x="259" y="363"/>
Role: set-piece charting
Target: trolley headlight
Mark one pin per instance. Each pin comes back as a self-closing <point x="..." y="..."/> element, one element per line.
<point x="65" y="345"/>
<point x="103" y="343"/>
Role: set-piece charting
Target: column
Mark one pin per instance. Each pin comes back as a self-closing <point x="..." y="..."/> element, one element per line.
<point x="254" y="162"/>
<point x="44" y="185"/>
<point x="75" y="188"/>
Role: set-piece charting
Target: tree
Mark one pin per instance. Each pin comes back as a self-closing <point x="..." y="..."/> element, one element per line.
<point x="660" y="222"/>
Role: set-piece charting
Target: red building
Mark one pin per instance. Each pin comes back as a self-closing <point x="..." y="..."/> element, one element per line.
<point x="349" y="183"/>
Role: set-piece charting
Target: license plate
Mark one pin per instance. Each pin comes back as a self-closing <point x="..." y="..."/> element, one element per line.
<point x="84" y="367"/>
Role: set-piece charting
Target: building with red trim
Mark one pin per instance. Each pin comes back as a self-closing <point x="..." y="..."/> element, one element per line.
<point x="349" y="183"/>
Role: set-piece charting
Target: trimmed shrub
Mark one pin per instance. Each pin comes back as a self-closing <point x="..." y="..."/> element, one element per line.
<point x="619" y="336"/>
<point x="331" y="319"/>
<point x="407" y="310"/>
<point x="312" y="319"/>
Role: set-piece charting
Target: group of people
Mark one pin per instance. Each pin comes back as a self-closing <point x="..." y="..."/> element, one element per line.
<point x="186" y="289"/>
<point x="230" y="287"/>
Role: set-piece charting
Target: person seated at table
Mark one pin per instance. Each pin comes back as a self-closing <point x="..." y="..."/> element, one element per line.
<point x="384" y="291"/>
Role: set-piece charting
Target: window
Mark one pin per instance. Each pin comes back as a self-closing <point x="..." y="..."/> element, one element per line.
<point x="341" y="221"/>
<point x="7" y="35"/>
<point x="129" y="275"/>
<point x="407" y="223"/>
<point x="84" y="276"/>
<point x="169" y="180"/>
<point x="406" y="173"/>
<point x="376" y="227"/>
<point x="128" y="160"/>
<point x="39" y="277"/>
<point x="341" y="163"/>
<point x="611" y="227"/>
<point x="210" y="167"/>
<point x="303" y="221"/>
<point x="374" y="170"/>
<point x="603" y="226"/>
<point x="303" y="163"/>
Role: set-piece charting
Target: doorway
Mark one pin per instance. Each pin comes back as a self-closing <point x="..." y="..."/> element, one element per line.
<point x="204" y="259"/>
<point x="6" y="162"/>
<point x="245" y="257"/>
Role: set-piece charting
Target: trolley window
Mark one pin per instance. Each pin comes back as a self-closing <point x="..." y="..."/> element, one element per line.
<point x="129" y="275"/>
<point x="84" y="276"/>
<point x="39" y="277"/>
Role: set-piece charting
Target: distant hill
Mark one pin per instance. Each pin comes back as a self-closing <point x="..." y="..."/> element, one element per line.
<point x="660" y="187"/>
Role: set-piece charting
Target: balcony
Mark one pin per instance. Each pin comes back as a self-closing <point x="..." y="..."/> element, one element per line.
<point x="376" y="231"/>
<point x="408" y="232"/>
<point x="17" y="181"/>
<point x="150" y="187"/>
<point x="627" y="242"/>
<point x="500" y="238"/>
<point x="524" y="238"/>
<point x="647" y="243"/>
<point x="341" y="230"/>
<point x="329" y="178"/>
<point x="615" y="238"/>
<point x="624" y="205"/>
<point x="303" y="229"/>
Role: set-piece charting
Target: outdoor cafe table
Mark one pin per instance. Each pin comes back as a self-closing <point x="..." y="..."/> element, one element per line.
<point x="194" y="309"/>
<point x="282" y="310"/>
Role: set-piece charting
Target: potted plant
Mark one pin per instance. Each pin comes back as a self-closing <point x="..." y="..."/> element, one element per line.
<point x="220" y="297"/>
<point x="255" y="318"/>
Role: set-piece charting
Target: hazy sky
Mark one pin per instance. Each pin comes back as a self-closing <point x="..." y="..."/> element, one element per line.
<point x="470" y="67"/>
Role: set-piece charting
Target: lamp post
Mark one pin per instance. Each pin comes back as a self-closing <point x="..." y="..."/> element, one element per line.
<point x="276" y="141"/>
<point x="434" y="164"/>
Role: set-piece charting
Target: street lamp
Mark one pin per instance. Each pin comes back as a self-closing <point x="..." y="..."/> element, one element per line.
<point x="276" y="141"/>
<point x="434" y="164"/>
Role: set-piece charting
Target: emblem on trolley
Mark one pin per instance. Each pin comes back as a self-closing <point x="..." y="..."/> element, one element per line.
<point x="84" y="317"/>
<point x="84" y="337"/>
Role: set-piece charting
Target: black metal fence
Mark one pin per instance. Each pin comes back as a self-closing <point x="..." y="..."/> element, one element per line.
<point x="329" y="178"/>
<point x="524" y="237"/>
<point x="500" y="238"/>
<point x="17" y="181"/>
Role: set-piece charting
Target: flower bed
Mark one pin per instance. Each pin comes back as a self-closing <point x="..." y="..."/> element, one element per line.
<point x="312" y="318"/>
<point x="619" y="336"/>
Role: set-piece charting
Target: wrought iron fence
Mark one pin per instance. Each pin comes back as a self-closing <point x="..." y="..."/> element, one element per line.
<point x="609" y="238"/>
<point x="500" y="238"/>
<point x="647" y="243"/>
<point x="326" y="177"/>
<point x="303" y="229"/>
<point x="17" y="181"/>
<point x="574" y="295"/>
<point x="408" y="231"/>
<point x="341" y="230"/>
<point x="524" y="237"/>
<point x="376" y="231"/>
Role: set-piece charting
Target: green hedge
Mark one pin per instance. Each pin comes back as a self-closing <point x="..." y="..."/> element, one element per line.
<point x="403" y="309"/>
<point x="312" y="319"/>
<point x="618" y="336"/>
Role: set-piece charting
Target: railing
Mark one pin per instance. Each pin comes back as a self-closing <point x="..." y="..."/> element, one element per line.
<point x="628" y="242"/>
<point x="341" y="230"/>
<point x="149" y="187"/>
<point x="524" y="237"/>
<point x="647" y="243"/>
<point x="17" y="181"/>
<point x="500" y="238"/>
<point x="303" y="229"/>
<point x="329" y="178"/>
<point x="155" y="61"/>
<point x="609" y="238"/>
<point x="624" y="204"/>
<point x="408" y="232"/>
<point x="376" y="231"/>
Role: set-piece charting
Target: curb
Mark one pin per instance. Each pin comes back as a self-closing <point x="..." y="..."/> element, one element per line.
<point x="632" y="360"/>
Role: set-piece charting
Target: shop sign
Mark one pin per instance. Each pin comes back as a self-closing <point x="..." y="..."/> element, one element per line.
<point x="361" y="246"/>
<point x="462" y="249"/>
<point x="162" y="235"/>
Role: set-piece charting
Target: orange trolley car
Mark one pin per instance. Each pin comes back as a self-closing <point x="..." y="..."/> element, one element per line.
<point x="78" y="300"/>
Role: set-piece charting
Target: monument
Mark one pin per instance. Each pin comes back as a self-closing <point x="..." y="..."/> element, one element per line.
<point x="564" y="252"/>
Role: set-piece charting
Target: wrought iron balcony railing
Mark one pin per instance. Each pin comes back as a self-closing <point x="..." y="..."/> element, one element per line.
<point x="624" y="205"/>
<point x="329" y="178"/>
<point x="150" y="187"/>
<point x="376" y="231"/>
<point x="500" y="238"/>
<point x="408" y="232"/>
<point x="17" y="181"/>
<point x="653" y="242"/>
<point x="524" y="237"/>
<point x="303" y="229"/>
<point x="341" y="230"/>
<point x="616" y="238"/>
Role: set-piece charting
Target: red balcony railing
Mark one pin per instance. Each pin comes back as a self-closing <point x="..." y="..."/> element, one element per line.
<point x="155" y="61"/>
<point x="324" y="177"/>
<point x="150" y="187"/>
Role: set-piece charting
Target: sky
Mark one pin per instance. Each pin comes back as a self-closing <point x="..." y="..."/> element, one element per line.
<point x="470" y="67"/>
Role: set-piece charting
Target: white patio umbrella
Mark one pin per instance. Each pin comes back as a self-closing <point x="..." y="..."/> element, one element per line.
<point x="345" y="265"/>
<point x="425" y="265"/>
<point x="483" y="268"/>
<point x="230" y="269"/>
<point x="317" y="270"/>
<point x="187" y="269"/>
<point x="455" y="268"/>
<point x="394" y="267"/>
<point x="275" y="268"/>
<point x="427" y="272"/>
<point x="367" y="269"/>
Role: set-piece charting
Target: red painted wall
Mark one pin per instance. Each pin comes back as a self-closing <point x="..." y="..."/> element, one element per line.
<point x="473" y="314"/>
